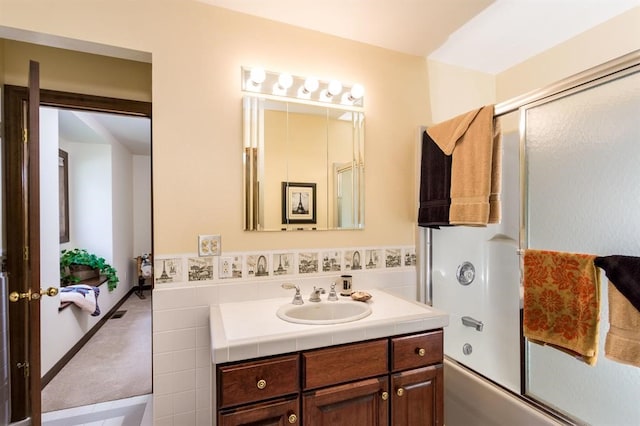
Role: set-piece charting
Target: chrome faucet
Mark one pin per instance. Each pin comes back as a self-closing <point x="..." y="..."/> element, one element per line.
<point x="472" y="322"/>
<point x="297" y="298"/>
<point x="315" y="294"/>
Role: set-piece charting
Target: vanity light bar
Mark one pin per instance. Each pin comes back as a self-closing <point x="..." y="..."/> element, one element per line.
<point x="257" y="80"/>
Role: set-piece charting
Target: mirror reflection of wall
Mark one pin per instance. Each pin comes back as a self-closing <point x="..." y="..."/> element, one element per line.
<point x="311" y="144"/>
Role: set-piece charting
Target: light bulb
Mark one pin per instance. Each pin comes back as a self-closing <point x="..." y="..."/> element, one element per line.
<point x="285" y="80"/>
<point x="258" y="75"/>
<point x="334" y="88"/>
<point x="311" y="84"/>
<point x="357" y="91"/>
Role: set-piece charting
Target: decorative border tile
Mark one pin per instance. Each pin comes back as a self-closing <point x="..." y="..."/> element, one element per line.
<point x="393" y="257"/>
<point x="200" y="268"/>
<point x="332" y="261"/>
<point x="170" y="270"/>
<point x="352" y="260"/>
<point x="373" y="258"/>
<point x="190" y="268"/>
<point x="257" y="265"/>
<point x="283" y="264"/>
<point x="307" y="263"/>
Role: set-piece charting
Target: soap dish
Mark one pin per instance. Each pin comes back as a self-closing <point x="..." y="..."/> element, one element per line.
<point x="360" y="296"/>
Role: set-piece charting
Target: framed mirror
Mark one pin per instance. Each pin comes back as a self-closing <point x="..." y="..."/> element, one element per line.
<point x="303" y="165"/>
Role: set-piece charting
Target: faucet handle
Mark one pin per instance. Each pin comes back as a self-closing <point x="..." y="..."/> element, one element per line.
<point x="332" y="294"/>
<point x="297" y="298"/>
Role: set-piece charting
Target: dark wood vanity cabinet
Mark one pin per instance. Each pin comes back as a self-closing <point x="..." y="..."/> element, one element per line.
<point x="392" y="381"/>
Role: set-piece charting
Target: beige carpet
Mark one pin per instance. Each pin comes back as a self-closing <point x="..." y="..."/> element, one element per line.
<point x="114" y="364"/>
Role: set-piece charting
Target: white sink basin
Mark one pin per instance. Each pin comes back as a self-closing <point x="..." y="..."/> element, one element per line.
<point x="324" y="312"/>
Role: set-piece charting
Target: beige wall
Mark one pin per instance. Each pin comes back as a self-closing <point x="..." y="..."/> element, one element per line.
<point x="197" y="53"/>
<point x="610" y="40"/>
<point x="77" y="72"/>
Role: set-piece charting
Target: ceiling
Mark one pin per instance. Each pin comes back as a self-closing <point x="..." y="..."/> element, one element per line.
<point x="484" y="35"/>
<point x="134" y="133"/>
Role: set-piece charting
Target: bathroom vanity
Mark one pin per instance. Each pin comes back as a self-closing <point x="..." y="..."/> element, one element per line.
<point x="384" y="369"/>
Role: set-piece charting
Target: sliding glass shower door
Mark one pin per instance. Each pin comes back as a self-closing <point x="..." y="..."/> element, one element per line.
<point x="582" y="192"/>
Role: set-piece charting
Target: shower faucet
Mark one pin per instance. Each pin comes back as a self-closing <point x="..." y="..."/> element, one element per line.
<point x="471" y="322"/>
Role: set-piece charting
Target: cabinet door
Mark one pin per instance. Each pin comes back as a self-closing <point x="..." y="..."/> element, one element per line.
<point x="361" y="403"/>
<point x="417" y="397"/>
<point x="275" y="413"/>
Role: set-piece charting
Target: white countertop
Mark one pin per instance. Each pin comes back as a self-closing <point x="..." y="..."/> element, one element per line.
<point x="251" y="329"/>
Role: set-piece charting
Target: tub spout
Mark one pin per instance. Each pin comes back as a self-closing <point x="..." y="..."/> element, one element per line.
<point x="471" y="322"/>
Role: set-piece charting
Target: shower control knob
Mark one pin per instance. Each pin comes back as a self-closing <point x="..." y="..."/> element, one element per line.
<point x="467" y="349"/>
<point x="466" y="273"/>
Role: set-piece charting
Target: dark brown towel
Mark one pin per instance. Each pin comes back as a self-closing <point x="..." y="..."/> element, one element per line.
<point x="624" y="273"/>
<point x="435" y="183"/>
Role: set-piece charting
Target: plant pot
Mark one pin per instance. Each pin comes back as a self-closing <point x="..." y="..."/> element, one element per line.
<point x="83" y="272"/>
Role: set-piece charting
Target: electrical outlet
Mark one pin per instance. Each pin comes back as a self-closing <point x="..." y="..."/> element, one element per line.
<point x="226" y="267"/>
<point x="209" y="245"/>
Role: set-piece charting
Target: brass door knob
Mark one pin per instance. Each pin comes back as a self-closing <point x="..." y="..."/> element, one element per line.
<point x="292" y="418"/>
<point x="384" y="396"/>
<point x="420" y="351"/>
<point x="14" y="296"/>
<point x="400" y="392"/>
<point x="51" y="291"/>
<point x="261" y="384"/>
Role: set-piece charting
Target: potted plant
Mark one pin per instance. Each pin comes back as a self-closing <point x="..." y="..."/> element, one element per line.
<point x="78" y="264"/>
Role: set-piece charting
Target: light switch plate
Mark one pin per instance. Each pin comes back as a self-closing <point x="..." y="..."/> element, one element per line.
<point x="209" y="245"/>
<point x="225" y="269"/>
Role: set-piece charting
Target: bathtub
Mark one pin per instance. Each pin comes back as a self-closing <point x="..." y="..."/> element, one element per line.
<point x="471" y="400"/>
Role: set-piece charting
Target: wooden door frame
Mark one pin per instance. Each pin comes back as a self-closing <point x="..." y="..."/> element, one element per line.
<point x="15" y="212"/>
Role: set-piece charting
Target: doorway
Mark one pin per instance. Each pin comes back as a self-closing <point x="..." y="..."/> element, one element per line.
<point x="14" y="97"/>
<point x="107" y="159"/>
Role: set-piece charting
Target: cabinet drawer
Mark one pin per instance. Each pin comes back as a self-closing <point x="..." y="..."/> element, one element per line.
<point x="341" y="364"/>
<point x="279" y="411"/>
<point x="416" y="350"/>
<point x="257" y="380"/>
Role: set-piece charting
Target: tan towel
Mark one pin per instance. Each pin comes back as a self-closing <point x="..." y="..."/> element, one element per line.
<point x="474" y="141"/>
<point x="562" y="302"/>
<point x="623" y="338"/>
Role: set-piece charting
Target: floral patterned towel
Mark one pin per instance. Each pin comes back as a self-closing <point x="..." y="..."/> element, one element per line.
<point x="562" y="302"/>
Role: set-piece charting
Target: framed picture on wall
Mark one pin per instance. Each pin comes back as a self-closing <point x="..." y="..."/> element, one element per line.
<point x="63" y="191"/>
<point x="298" y="202"/>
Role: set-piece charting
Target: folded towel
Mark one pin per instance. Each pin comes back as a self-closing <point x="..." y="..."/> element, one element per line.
<point x="623" y="338"/>
<point x="474" y="141"/>
<point x="83" y="296"/>
<point x="435" y="184"/>
<point x="562" y="302"/>
<point x="624" y="273"/>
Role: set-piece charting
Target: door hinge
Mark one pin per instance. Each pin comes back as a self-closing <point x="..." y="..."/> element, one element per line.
<point x="26" y="253"/>
<point x="25" y="135"/>
<point x="25" y="368"/>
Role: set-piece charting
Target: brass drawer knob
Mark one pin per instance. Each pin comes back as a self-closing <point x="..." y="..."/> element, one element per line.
<point x="292" y="418"/>
<point x="400" y="392"/>
<point x="420" y="351"/>
<point x="261" y="384"/>
<point x="384" y="396"/>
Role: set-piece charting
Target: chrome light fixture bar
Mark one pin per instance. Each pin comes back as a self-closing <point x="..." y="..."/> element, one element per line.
<point x="257" y="80"/>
